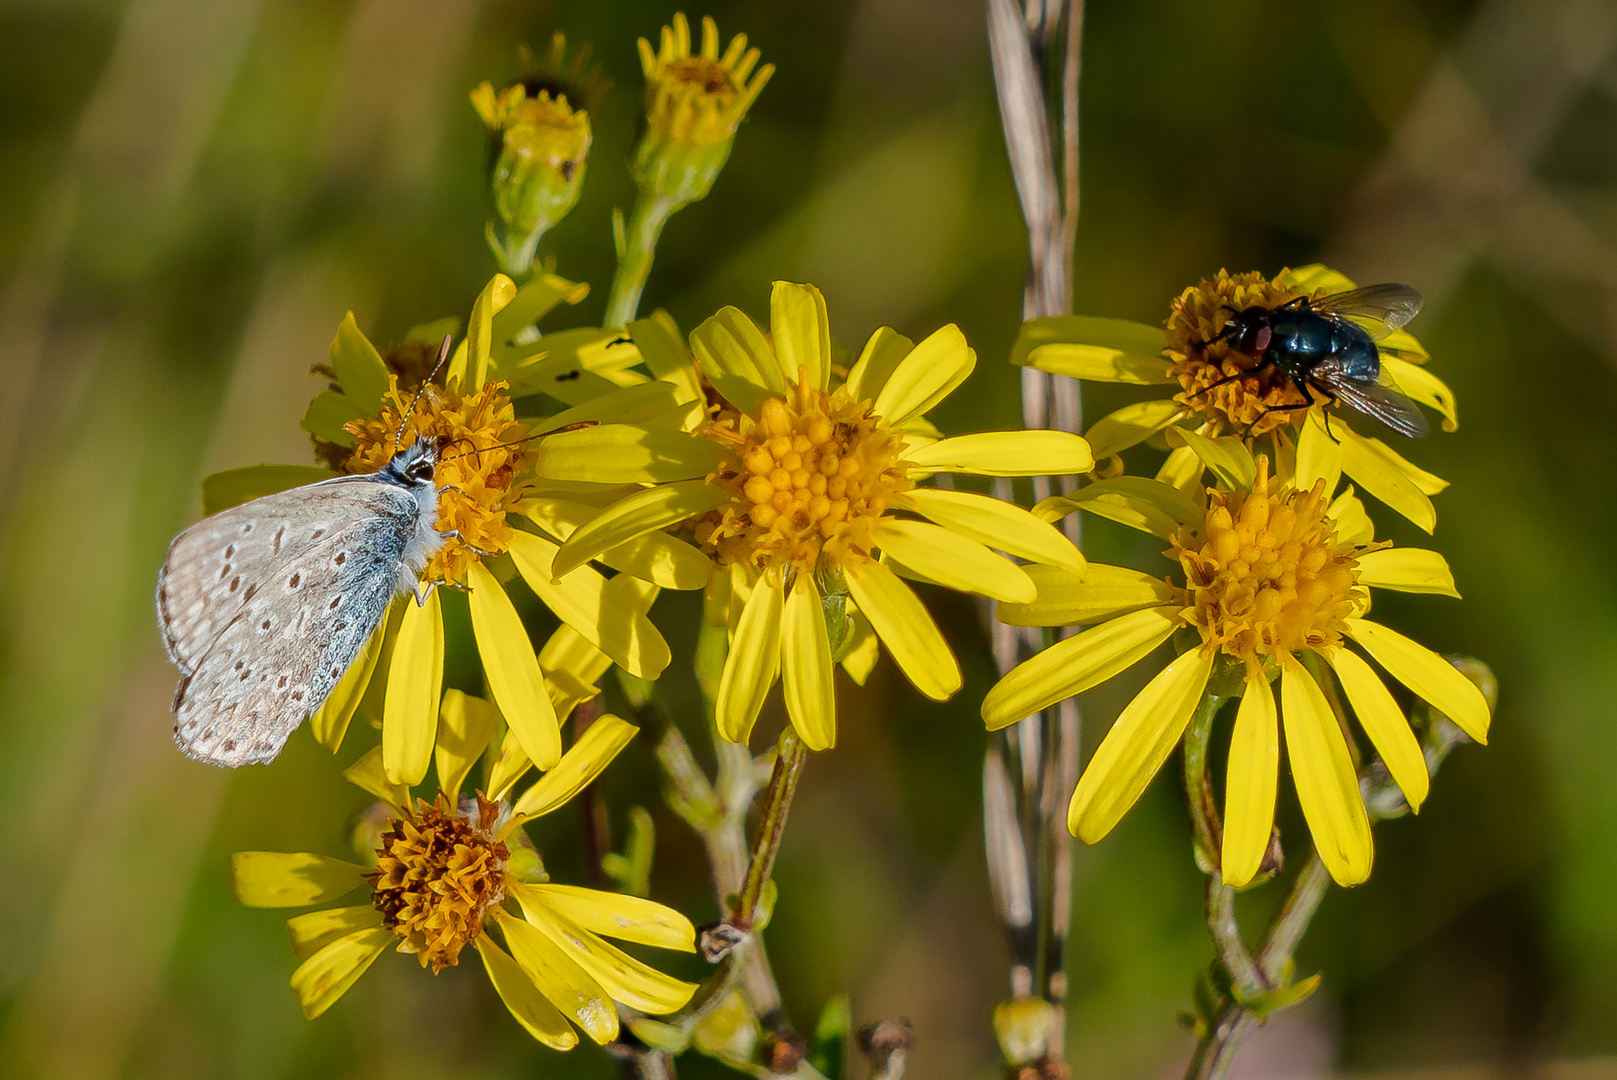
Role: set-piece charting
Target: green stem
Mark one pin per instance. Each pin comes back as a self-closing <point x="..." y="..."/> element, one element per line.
<point x="635" y="255"/>
<point x="771" y="828"/>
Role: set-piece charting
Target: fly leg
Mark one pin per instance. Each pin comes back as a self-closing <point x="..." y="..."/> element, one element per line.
<point x="1308" y="401"/>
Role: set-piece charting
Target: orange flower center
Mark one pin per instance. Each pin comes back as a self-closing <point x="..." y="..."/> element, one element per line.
<point x="474" y="434"/>
<point x="437" y="874"/>
<point x="808" y="476"/>
<point x="1240" y="404"/>
<point x="1266" y="573"/>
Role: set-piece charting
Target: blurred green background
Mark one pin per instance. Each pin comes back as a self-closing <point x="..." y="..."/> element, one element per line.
<point x="192" y="192"/>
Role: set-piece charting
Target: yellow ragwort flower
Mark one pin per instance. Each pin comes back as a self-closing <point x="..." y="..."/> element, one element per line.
<point x="797" y="485"/>
<point x="1116" y="350"/>
<point x="1271" y="575"/>
<point x="694" y="104"/>
<point x="485" y="477"/>
<point x="449" y="871"/>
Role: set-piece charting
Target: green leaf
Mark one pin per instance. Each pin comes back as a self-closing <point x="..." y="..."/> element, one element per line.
<point x="233" y="487"/>
<point x="327" y="414"/>
<point x="359" y="366"/>
<point x="828" y="1052"/>
<point x="1270" y="1002"/>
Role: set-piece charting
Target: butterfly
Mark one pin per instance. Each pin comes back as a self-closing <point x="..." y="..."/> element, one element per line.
<point x="264" y="606"/>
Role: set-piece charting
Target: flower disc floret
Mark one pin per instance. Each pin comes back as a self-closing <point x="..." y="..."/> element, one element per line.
<point x="1266" y="573"/>
<point x="437" y="874"/>
<point x="809" y="477"/>
<point x="481" y="463"/>
<point x="1243" y="404"/>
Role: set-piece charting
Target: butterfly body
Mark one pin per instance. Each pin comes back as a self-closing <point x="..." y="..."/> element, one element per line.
<point x="264" y="606"/>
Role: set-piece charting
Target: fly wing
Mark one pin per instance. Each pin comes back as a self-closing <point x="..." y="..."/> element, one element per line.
<point x="1380" y="309"/>
<point x="278" y="644"/>
<point x="1380" y="400"/>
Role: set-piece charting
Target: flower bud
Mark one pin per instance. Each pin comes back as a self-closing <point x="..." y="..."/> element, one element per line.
<point x="694" y="103"/>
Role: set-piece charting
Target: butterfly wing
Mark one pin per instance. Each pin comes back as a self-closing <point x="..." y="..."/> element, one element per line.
<point x="321" y="564"/>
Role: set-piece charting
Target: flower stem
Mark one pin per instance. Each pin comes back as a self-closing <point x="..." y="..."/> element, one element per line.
<point x="771" y="828"/>
<point x="636" y="249"/>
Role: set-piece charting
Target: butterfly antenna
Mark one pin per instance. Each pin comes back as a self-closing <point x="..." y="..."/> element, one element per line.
<point x="443" y="357"/>
<point x="581" y="425"/>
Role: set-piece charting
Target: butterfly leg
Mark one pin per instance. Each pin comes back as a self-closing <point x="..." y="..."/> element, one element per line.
<point x="454" y="534"/>
<point x="423" y="592"/>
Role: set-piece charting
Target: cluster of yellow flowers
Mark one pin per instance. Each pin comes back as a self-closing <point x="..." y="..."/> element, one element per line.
<point x="796" y="484"/>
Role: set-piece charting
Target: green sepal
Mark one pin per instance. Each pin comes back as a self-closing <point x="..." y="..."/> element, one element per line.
<point x="1269" y="1002"/>
<point x="359" y="367"/>
<point x="233" y="487"/>
<point x="660" y="1036"/>
<point x="632" y="869"/>
<point x="327" y="414"/>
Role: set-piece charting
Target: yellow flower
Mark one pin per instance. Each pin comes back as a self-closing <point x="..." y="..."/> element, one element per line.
<point x="1273" y="575"/>
<point x="485" y="471"/>
<point x="448" y="871"/>
<point x="798" y="483"/>
<point x="1116" y="350"/>
<point x="694" y="103"/>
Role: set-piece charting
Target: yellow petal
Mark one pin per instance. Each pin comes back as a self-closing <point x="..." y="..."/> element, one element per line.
<point x="805" y="659"/>
<point x="537" y="1015"/>
<point x="326" y="976"/>
<point x="645" y="404"/>
<point x="753" y="663"/>
<point x="646" y="511"/>
<point x="1313" y="277"/>
<point x="861" y="650"/>
<point x="625" y="454"/>
<point x="414" y="687"/>
<point x="931" y="371"/>
<point x="1102" y="593"/>
<point x="1006" y="453"/>
<point x="802" y="332"/>
<point x="1148" y="505"/>
<point x="465" y="725"/>
<point x="952" y="560"/>
<point x="330" y="723"/>
<point x="570" y="988"/>
<point x="1076" y="664"/>
<point x="568" y="650"/>
<point x="1182" y="471"/>
<point x="1093" y="348"/>
<point x="232" y="487"/>
<point x="625" y="979"/>
<point x="1427" y="674"/>
<point x="1131" y="425"/>
<point x="1374" y="471"/>
<point x="532" y="302"/>
<point x="1384" y="722"/>
<point x="732" y="352"/>
<point x="882" y="354"/>
<point x="290" y="879"/>
<point x="666" y="356"/>
<point x="1413" y="570"/>
<point x="1426" y="388"/>
<point x="1228" y="458"/>
<point x="901" y="621"/>
<point x="995" y="523"/>
<point x="581" y="599"/>
<point x="470" y="364"/>
<point x="1137" y="745"/>
<point x="359" y="367"/>
<point x="314" y="930"/>
<point x="1353" y="524"/>
<point x="369" y="774"/>
<point x="582" y="763"/>
<point x="618" y="915"/>
<point x="1249" y="789"/>
<point x="1327" y="786"/>
<point x="662" y="560"/>
<point x="1319" y="456"/>
<point x="514" y="679"/>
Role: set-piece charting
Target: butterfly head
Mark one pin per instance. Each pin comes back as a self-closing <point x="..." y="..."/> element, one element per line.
<point x="414" y="466"/>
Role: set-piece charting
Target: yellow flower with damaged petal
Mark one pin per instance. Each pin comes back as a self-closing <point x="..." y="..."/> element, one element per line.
<point x="486" y="480"/>
<point x="806" y="494"/>
<point x="452" y="872"/>
<point x="1117" y="350"/>
<point x="1272" y="576"/>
